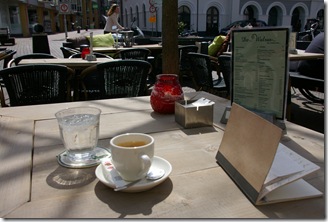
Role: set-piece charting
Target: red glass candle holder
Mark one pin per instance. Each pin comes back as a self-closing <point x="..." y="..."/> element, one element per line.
<point x="166" y="91"/>
<point x="85" y="51"/>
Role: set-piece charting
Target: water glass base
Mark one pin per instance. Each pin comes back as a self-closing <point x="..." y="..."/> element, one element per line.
<point x="99" y="153"/>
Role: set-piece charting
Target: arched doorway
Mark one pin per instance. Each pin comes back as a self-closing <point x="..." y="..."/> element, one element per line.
<point x="296" y="21"/>
<point x="321" y="18"/>
<point x="212" y="21"/>
<point x="275" y="16"/>
<point x="250" y="12"/>
<point x="184" y="16"/>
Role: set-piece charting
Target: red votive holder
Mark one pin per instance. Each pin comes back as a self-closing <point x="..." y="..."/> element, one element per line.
<point x="166" y="91"/>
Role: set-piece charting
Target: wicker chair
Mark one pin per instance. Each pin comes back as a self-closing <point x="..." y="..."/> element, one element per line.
<point x="67" y="52"/>
<point x="184" y="62"/>
<point x="37" y="84"/>
<point x="97" y="54"/>
<point x="115" y="79"/>
<point x="225" y="67"/>
<point x="134" y="53"/>
<point x="16" y="61"/>
<point x="201" y="69"/>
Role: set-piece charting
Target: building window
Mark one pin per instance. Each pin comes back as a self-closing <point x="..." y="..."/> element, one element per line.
<point x="144" y="15"/>
<point x="137" y="11"/>
<point x="321" y="18"/>
<point x="212" y="21"/>
<point x="73" y="7"/>
<point x="13" y="13"/>
<point x="249" y="13"/>
<point x="131" y="13"/>
<point x="184" y="16"/>
<point x="273" y="17"/>
<point x="126" y="17"/>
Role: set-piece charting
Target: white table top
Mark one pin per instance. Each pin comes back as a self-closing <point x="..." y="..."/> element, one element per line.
<point x="34" y="185"/>
<point x="301" y="55"/>
<point x="72" y="63"/>
<point x="113" y="49"/>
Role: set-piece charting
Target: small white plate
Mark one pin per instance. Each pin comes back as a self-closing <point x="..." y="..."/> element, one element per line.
<point x="143" y="184"/>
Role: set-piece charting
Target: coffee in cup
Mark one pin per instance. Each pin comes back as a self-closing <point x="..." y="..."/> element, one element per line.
<point x="132" y="155"/>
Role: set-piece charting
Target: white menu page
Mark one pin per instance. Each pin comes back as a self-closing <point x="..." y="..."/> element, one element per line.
<point x="259" y="68"/>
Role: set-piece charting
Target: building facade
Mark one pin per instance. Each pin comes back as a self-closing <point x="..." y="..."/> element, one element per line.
<point x="20" y="16"/>
<point x="206" y="17"/>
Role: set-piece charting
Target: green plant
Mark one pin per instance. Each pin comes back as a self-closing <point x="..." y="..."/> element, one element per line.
<point x="181" y="26"/>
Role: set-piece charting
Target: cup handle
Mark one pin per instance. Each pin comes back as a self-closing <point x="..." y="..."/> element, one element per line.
<point x="146" y="161"/>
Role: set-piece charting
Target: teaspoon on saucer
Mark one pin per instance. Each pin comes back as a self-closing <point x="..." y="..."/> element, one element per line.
<point x="153" y="174"/>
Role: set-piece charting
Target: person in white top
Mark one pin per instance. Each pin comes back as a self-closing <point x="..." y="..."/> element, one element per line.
<point x="112" y="19"/>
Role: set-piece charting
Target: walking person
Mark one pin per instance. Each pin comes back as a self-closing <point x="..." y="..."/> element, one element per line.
<point x="112" y="19"/>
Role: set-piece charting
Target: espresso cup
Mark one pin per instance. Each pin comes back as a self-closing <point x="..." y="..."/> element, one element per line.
<point x="132" y="155"/>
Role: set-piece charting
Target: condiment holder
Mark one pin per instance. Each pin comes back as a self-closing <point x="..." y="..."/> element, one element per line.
<point x="194" y="113"/>
<point x="91" y="56"/>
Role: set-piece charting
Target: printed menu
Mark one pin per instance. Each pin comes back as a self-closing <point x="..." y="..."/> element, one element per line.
<point x="259" y="69"/>
<point x="266" y="170"/>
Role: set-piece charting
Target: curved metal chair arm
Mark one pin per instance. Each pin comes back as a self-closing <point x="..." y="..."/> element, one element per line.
<point x="16" y="61"/>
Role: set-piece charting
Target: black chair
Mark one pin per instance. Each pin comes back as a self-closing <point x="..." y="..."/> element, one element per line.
<point x="97" y="54"/>
<point x="201" y="69"/>
<point x="16" y="61"/>
<point x="40" y="43"/>
<point x="311" y="88"/>
<point x="115" y="79"/>
<point x="67" y="52"/>
<point x="133" y="53"/>
<point x="225" y="68"/>
<point x="6" y="57"/>
<point x="184" y="62"/>
<point x="36" y="84"/>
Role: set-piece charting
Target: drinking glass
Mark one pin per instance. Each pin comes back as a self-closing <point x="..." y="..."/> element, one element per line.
<point x="79" y="131"/>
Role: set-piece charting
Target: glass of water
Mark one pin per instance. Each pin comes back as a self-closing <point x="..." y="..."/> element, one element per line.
<point x="79" y="131"/>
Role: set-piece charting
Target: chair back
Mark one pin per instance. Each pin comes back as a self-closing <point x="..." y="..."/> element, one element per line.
<point x="116" y="79"/>
<point x="16" y="61"/>
<point x="133" y="53"/>
<point x="7" y="56"/>
<point x="184" y="62"/>
<point x="225" y="67"/>
<point x="67" y="52"/>
<point x="201" y="69"/>
<point x="97" y="54"/>
<point x="37" y="84"/>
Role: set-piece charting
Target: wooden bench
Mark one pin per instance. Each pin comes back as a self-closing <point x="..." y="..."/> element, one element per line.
<point x="5" y="37"/>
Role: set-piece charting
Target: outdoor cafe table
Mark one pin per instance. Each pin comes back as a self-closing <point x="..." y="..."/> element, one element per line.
<point x="301" y="55"/>
<point x="74" y="63"/>
<point x="34" y="185"/>
<point x="154" y="48"/>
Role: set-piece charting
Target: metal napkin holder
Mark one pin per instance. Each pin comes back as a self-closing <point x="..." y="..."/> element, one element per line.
<point x="190" y="115"/>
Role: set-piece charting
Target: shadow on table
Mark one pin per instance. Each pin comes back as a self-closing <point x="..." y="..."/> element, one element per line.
<point x="65" y="178"/>
<point x="133" y="203"/>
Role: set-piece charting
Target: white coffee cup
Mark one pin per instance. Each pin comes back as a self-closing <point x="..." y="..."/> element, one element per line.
<point x="132" y="155"/>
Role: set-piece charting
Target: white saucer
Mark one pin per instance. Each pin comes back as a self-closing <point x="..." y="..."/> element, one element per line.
<point x="143" y="184"/>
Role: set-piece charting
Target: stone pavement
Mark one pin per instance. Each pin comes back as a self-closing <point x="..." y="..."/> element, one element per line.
<point x="24" y="45"/>
<point x="304" y="112"/>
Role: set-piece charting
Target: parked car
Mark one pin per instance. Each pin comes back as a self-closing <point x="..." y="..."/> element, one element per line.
<point x="241" y="23"/>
